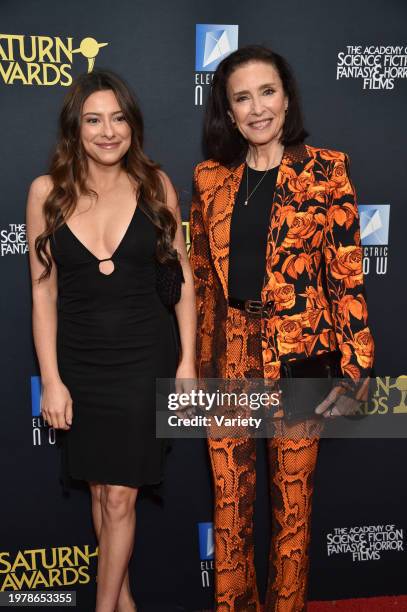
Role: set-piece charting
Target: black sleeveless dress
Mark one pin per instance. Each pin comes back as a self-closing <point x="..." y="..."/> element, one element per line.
<point x="115" y="337"/>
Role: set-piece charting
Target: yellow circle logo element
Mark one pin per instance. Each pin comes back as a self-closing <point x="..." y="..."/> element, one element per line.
<point x="89" y="48"/>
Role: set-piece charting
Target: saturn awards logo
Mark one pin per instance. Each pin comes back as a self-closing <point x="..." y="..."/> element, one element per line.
<point x="13" y="240"/>
<point x="47" y="568"/>
<point x="388" y="397"/>
<point x="187" y="235"/>
<point x="213" y="44"/>
<point x="206" y="552"/>
<point x="43" y="60"/>
<point x="374" y="234"/>
<point x="42" y="433"/>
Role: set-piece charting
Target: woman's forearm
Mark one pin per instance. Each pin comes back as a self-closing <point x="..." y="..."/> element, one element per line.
<point x="185" y="312"/>
<point x="44" y="320"/>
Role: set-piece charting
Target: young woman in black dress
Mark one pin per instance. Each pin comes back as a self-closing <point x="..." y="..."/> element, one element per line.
<point x="96" y="226"/>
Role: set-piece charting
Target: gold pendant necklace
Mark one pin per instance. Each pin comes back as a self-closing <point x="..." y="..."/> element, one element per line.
<point x="255" y="187"/>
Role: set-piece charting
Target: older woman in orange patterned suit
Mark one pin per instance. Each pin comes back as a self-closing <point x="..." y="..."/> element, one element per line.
<point x="277" y="263"/>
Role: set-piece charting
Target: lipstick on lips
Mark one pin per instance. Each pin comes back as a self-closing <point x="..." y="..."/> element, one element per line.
<point x="108" y="145"/>
<point x="260" y="123"/>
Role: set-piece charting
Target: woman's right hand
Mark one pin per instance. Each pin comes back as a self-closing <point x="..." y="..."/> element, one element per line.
<point x="56" y="405"/>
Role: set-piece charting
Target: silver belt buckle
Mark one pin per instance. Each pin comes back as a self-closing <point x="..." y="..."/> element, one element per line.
<point x="253" y="307"/>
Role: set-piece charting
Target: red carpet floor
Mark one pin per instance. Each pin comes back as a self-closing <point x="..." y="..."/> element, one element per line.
<point x="373" y="604"/>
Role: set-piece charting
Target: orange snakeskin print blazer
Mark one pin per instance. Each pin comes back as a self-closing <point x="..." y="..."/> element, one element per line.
<point x="313" y="295"/>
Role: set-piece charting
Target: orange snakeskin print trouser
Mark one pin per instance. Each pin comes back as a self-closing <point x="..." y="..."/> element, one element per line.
<point x="292" y="455"/>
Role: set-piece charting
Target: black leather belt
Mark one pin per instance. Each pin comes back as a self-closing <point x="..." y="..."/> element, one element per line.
<point x="253" y="307"/>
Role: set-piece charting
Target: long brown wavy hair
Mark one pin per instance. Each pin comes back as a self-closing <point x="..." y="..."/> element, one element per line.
<point x="69" y="167"/>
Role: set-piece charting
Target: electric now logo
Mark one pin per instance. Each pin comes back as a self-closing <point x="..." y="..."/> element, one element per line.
<point x="213" y="43"/>
<point x="35" y="396"/>
<point x="206" y="543"/>
<point x="42" y="433"/>
<point x="374" y="224"/>
<point x="374" y="235"/>
<point x="206" y="552"/>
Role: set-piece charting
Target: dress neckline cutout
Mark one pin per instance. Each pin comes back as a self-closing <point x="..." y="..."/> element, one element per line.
<point x="126" y="231"/>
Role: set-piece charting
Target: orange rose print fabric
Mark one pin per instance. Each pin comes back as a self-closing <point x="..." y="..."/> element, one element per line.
<point x="313" y="301"/>
<point x="313" y="293"/>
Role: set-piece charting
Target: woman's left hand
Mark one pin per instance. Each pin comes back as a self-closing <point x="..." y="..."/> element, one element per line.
<point x="337" y="404"/>
<point x="185" y="377"/>
<point x="185" y="382"/>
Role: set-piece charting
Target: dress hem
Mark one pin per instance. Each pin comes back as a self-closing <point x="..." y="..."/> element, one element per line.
<point x="109" y="481"/>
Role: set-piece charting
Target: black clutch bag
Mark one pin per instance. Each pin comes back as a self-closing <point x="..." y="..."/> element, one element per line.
<point x="306" y="382"/>
<point x="169" y="279"/>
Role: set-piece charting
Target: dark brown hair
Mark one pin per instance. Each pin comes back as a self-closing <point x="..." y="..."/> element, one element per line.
<point x="222" y="141"/>
<point x="69" y="166"/>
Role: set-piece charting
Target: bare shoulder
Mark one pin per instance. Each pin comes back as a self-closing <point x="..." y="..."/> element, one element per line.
<point x="39" y="191"/>
<point x="166" y="180"/>
<point x="170" y="193"/>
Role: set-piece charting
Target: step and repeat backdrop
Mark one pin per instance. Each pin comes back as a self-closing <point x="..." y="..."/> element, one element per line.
<point x="351" y="63"/>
